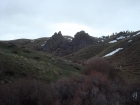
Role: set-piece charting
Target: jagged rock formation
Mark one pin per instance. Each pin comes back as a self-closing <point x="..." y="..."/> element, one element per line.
<point x="82" y="39"/>
<point x="56" y="41"/>
<point x="60" y="45"/>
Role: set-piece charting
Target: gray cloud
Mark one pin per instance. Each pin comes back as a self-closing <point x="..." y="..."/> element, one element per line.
<point x="41" y="18"/>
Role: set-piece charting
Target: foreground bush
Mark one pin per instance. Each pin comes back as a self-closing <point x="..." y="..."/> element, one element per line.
<point x="25" y="92"/>
<point x="85" y="90"/>
<point x="99" y="65"/>
<point x="100" y="86"/>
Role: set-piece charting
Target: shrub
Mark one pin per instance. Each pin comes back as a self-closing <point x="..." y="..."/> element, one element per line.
<point x="25" y="92"/>
<point x="95" y="89"/>
<point x="64" y="90"/>
<point x="99" y="65"/>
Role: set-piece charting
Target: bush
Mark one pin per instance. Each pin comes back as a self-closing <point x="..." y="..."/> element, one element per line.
<point x="95" y="89"/>
<point x="25" y="92"/>
<point x="99" y="65"/>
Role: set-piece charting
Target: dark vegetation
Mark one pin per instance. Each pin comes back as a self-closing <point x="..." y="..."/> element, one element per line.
<point x="99" y="85"/>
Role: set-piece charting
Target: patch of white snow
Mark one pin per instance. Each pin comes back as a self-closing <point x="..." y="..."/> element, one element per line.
<point x="135" y="95"/>
<point x="42" y="44"/>
<point x="113" y="52"/>
<point x="113" y="41"/>
<point x="121" y="37"/>
<point x="70" y="38"/>
<point x="130" y="41"/>
<point x="138" y="33"/>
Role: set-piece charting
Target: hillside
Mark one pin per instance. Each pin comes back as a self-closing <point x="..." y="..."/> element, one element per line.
<point x="87" y="52"/>
<point x="83" y="47"/>
<point x="18" y="62"/>
<point x="105" y="45"/>
<point x="34" y="44"/>
<point x="90" y="71"/>
<point x="127" y="60"/>
<point x="121" y="50"/>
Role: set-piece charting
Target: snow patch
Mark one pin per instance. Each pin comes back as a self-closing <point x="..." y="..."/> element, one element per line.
<point x="44" y="43"/>
<point x="121" y="37"/>
<point x="113" y="41"/>
<point x="130" y="41"/>
<point x="70" y="39"/>
<point x="135" y="95"/>
<point x="113" y="52"/>
<point x="138" y="33"/>
<point x="128" y="36"/>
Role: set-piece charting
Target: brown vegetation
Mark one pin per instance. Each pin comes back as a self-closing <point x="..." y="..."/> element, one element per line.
<point x="100" y="65"/>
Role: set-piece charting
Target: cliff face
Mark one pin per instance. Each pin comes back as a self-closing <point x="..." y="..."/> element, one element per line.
<point x="60" y="45"/>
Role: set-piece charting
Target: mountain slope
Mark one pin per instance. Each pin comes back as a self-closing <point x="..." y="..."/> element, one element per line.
<point x="34" y="44"/>
<point x="17" y="62"/>
<point x="87" y="52"/>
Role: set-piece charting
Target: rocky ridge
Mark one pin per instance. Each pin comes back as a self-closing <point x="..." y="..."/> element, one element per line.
<point x="63" y="45"/>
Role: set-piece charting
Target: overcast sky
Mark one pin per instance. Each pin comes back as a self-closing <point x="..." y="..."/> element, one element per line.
<point x="42" y="18"/>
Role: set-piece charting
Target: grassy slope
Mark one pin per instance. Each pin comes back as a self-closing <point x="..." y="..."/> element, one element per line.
<point x="32" y="44"/>
<point x="16" y="62"/>
<point x="100" y="49"/>
<point x="126" y="60"/>
<point x="87" y="52"/>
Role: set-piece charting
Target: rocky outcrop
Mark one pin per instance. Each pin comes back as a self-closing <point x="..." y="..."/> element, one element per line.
<point x="82" y="39"/>
<point x="55" y="42"/>
<point x="63" y="45"/>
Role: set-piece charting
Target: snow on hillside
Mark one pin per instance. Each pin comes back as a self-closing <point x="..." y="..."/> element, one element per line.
<point x="121" y="37"/>
<point x="138" y="33"/>
<point x="113" y="41"/>
<point x="130" y="41"/>
<point x="113" y="52"/>
<point x="70" y="38"/>
<point x="44" y="43"/>
<point x="128" y="36"/>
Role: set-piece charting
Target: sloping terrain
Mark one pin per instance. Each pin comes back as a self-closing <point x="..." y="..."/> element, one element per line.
<point x="99" y="83"/>
<point x="35" y="44"/>
<point x="127" y="60"/>
<point x="123" y="51"/>
<point x="104" y="46"/>
<point x="87" y="52"/>
<point x="17" y="62"/>
<point x="120" y="49"/>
